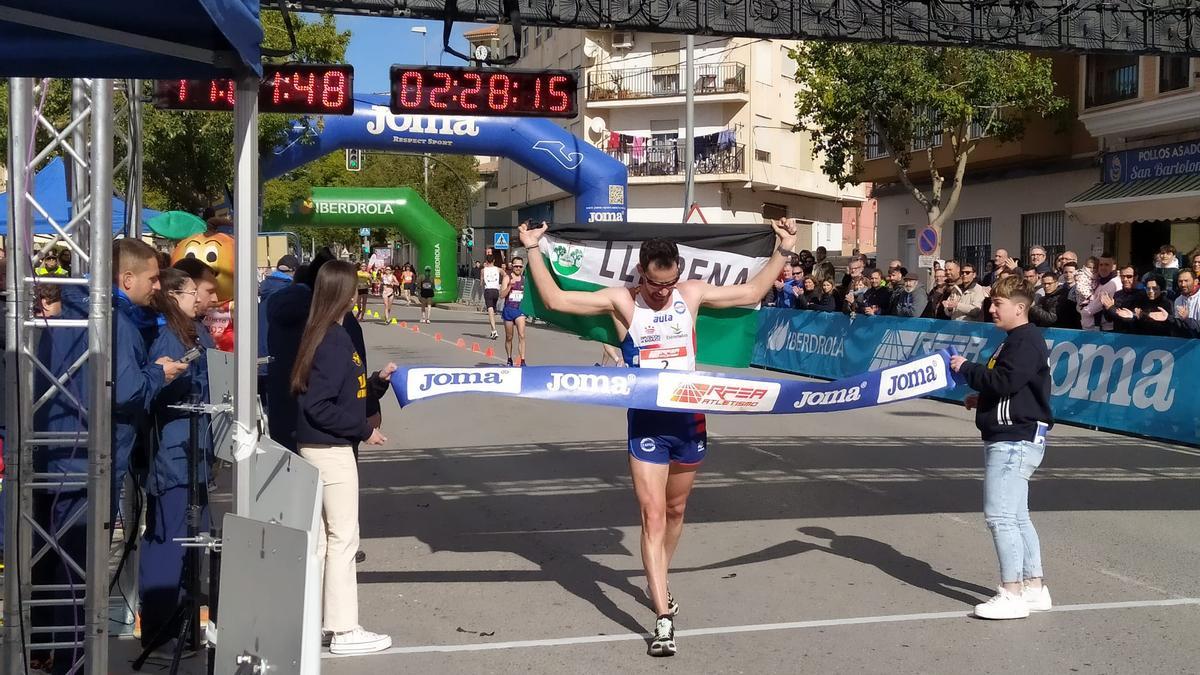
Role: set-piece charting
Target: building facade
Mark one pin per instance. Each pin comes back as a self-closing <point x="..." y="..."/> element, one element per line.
<point x="750" y="163"/>
<point x="1120" y="173"/>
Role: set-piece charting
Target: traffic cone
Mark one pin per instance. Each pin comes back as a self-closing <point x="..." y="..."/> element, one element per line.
<point x="475" y="347"/>
<point x="416" y="328"/>
<point x="490" y="353"/>
<point x="404" y="324"/>
<point x="437" y="337"/>
<point x="393" y="322"/>
<point x="461" y="344"/>
<point x="356" y="309"/>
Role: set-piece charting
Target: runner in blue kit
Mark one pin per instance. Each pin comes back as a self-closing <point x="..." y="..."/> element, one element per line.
<point x="513" y="291"/>
<point x="656" y="324"/>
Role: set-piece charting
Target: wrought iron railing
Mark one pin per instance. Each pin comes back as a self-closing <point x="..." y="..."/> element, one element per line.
<point x="635" y="83"/>
<point x="667" y="159"/>
<point x="1110" y="86"/>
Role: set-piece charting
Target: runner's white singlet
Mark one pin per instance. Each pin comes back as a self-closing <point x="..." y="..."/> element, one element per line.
<point x="665" y="339"/>
<point x="491" y="278"/>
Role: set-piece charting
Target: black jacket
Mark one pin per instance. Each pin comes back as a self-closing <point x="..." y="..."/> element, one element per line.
<point x="1125" y="299"/>
<point x="1014" y="387"/>
<point x="287" y="314"/>
<point x="1055" y="310"/>
<point x="334" y="409"/>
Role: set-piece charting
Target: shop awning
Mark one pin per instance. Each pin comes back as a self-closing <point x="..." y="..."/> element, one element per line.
<point x="1175" y="198"/>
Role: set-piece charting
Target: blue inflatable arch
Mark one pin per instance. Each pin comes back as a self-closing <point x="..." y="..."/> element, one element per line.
<point x="541" y="146"/>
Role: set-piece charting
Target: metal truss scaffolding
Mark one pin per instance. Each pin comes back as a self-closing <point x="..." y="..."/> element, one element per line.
<point x="51" y="501"/>
<point x="1138" y="26"/>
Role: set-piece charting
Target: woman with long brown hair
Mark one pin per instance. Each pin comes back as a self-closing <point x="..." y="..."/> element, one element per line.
<point x="331" y="386"/>
<point x="160" y="575"/>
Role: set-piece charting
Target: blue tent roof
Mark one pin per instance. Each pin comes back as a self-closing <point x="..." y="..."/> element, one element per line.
<point x="129" y="38"/>
<point x="50" y="190"/>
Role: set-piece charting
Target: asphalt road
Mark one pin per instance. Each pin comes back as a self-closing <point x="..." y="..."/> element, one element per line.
<point x="502" y="537"/>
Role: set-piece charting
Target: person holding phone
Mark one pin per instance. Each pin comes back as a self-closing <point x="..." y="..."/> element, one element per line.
<point x="160" y="574"/>
<point x="330" y="382"/>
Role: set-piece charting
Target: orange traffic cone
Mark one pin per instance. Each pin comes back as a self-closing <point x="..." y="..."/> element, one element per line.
<point x="416" y="328"/>
<point x="437" y="337"/>
<point x="490" y="353"/>
<point x="461" y="344"/>
<point x="404" y="324"/>
<point x="475" y="347"/>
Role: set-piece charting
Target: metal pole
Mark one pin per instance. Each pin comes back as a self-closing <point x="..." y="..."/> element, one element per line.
<point x="689" y="145"/>
<point x="100" y="479"/>
<point x="133" y="195"/>
<point x="245" y="229"/>
<point x="426" y="195"/>
<point x="20" y="465"/>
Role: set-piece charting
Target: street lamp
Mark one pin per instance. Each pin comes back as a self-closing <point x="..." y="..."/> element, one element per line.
<point x="422" y="31"/>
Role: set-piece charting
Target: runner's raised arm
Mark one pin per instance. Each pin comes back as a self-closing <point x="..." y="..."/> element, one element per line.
<point x="753" y="291"/>
<point x="580" y="303"/>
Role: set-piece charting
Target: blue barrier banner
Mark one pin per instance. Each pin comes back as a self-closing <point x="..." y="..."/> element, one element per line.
<point x="1128" y="383"/>
<point x="681" y="391"/>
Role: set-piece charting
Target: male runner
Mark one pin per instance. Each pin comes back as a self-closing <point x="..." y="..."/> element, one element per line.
<point x="490" y="275"/>
<point x="513" y="291"/>
<point x="665" y="448"/>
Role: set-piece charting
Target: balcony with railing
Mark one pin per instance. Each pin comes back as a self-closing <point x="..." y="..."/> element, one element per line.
<point x="667" y="159"/>
<point x="651" y="83"/>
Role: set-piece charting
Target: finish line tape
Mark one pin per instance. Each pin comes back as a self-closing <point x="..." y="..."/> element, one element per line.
<point x="681" y="391"/>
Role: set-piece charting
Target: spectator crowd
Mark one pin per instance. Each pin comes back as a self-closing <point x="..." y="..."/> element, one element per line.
<point x="1099" y="294"/>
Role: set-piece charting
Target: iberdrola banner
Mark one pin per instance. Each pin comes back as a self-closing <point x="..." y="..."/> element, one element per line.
<point x="591" y="257"/>
<point x="678" y="390"/>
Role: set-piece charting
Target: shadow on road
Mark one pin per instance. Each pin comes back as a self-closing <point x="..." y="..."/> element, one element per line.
<point x="558" y="504"/>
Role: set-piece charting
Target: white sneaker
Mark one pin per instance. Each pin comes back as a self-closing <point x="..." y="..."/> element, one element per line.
<point x="1003" y="605"/>
<point x="358" y="641"/>
<point x="663" y="641"/>
<point x="1037" y="600"/>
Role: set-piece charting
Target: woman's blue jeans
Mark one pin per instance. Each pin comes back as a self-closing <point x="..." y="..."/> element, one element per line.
<point x="1008" y="465"/>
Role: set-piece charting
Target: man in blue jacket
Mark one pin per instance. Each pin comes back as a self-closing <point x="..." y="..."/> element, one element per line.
<point x="277" y="280"/>
<point x="135" y="383"/>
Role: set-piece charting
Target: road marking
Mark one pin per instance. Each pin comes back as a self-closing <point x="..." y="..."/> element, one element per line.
<point x="759" y="628"/>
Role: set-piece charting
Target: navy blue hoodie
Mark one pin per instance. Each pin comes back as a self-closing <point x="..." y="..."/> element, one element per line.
<point x="275" y="281"/>
<point x="333" y="411"/>
<point x="1013" y="386"/>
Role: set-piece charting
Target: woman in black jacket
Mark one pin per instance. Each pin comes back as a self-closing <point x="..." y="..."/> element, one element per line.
<point x="824" y="299"/>
<point x="331" y="386"/>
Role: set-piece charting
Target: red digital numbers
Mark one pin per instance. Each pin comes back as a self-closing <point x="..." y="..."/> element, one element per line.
<point x="334" y="90"/>
<point x="294" y="89"/>
<point x="452" y="90"/>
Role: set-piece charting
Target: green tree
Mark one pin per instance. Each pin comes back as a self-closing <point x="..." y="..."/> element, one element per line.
<point x="905" y="96"/>
<point x="188" y="161"/>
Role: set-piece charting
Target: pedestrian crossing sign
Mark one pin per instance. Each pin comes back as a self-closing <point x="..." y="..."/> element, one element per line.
<point x="500" y="241"/>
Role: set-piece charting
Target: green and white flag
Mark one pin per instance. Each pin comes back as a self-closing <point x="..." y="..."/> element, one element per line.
<point x="588" y="258"/>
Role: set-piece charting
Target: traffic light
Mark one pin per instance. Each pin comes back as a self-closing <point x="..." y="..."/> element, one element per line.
<point x="469" y="235"/>
<point x="353" y="159"/>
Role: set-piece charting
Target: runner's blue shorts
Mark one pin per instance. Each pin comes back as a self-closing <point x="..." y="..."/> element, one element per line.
<point x="660" y="437"/>
<point x="511" y="313"/>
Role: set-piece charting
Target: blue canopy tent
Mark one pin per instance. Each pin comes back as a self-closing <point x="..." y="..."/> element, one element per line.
<point x="50" y="191"/>
<point x="129" y="38"/>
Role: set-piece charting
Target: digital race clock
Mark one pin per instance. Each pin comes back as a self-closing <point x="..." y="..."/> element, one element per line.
<point x="443" y="90"/>
<point x="305" y="89"/>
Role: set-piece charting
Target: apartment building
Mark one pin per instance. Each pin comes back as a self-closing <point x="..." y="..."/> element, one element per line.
<point x="1120" y="173"/>
<point x="750" y="163"/>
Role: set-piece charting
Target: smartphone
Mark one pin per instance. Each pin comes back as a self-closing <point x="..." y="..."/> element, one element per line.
<point x="191" y="355"/>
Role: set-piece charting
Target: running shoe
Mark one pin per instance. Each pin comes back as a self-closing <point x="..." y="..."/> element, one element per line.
<point x="494" y="335"/>
<point x="1038" y="600"/>
<point x="663" y="642"/>
<point x="510" y="361"/>
<point x="672" y="606"/>
<point x="1003" y="605"/>
<point x="358" y="641"/>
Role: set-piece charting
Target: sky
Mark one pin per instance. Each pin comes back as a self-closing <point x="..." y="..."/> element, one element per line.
<point x="376" y="43"/>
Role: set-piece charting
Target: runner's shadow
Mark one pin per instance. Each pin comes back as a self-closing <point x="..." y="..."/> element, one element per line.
<point x="903" y="568"/>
